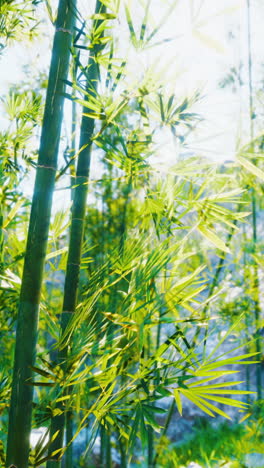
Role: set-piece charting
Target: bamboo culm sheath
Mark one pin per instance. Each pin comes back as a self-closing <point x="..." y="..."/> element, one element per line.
<point x="26" y="335"/>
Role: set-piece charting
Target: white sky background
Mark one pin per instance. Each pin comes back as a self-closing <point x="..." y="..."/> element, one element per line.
<point x="199" y="57"/>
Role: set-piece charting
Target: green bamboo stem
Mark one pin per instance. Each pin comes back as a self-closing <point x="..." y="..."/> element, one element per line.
<point x="102" y="445"/>
<point x="73" y="131"/>
<point x="1" y="241"/>
<point x="26" y="335"/>
<point x="76" y="233"/>
<point x="164" y="432"/>
<point x="123" y="234"/>
<point x="248" y="386"/>
<point x="108" y="451"/>
<point x="256" y="300"/>
<point x="69" y="414"/>
<point x="105" y="437"/>
<point x="123" y="226"/>
<point x="254" y="212"/>
<point x="123" y="455"/>
<point x="105" y="449"/>
<point x="151" y="453"/>
<point x="81" y="190"/>
<point x="69" y="436"/>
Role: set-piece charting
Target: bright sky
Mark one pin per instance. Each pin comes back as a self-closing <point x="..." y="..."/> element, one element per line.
<point x="200" y="55"/>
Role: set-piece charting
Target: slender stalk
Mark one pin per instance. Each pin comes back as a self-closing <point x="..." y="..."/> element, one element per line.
<point x="250" y="82"/>
<point x="254" y="210"/>
<point x="69" y="436"/>
<point x="1" y="242"/>
<point x="108" y="451"/>
<point x="102" y="445"/>
<point x="105" y="436"/>
<point x="164" y="432"/>
<point x="105" y="448"/>
<point x="81" y="190"/>
<point x="150" y="446"/>
<point x="123" y="455"/>
<point x="73" y="130"/>
<point x="69" y="414"/>
<point x="76" y="232"/>
<point x="152" y="453"/>
<point x="26" y="335"/>
<point x="245" y="279"/>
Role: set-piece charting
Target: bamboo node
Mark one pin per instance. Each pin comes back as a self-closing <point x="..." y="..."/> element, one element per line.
<point x="64" y="30"/>
<point x="43" y="166"/>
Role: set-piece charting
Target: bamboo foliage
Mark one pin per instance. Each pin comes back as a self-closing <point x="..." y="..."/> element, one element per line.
<point x="22" y="393"/>
<point x="139" y="286"/>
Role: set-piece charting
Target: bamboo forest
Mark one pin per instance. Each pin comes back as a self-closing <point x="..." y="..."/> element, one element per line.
<point x="131" y="234"/>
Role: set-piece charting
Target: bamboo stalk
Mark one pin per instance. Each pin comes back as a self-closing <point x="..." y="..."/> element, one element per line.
<point x="106" y="459"/>
<point x="1" y="242"/>
<point x="247" y="338"/>
<point x="26" y="335"/>
<point x="69" y="414"/>
<point x="76" y="232"/>
<point x="73" y="131"/>
<point x="69" y="436"/>
<point x="254" y="211"/>
<point x="164" y="432"/>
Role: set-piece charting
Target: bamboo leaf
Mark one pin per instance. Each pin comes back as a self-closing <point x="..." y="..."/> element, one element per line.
<point x="246" y="416"/>
<point x="225" y="362"/>
<point x="177" y="397"/>
<point x="163" y="20"/>
<point x="103" y="16"/>
<point x="214" y="408"/>
<point x="56" y="253"/>
<point x="209" y="41"/>
<point x="134" y="427"/>
<point x="50" y="12"/>
<point x="224" y="392"/>
<point x="150" y="419"/>
<point x="218" y="385"/>
<point x="252" y="168"/>
<point x="143" y="432"/>
<point x="131" y="27"/>
<point x="197" y="401"/>
<point x="144" y="22"/>
<point x="226" y="401"/>
<point x="213" y="238"/>
<point x="46" y="374"/>
<point x="13" y="212"/>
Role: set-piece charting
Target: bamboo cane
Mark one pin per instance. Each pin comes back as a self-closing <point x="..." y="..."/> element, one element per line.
<point x="254" y="211"/>
<point x="26" y="335"/>
<point x="76" y="232"/>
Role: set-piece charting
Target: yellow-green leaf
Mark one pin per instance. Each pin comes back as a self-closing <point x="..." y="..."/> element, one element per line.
<point x="103" y="16"/>
<point x="197" y="402"/>
<point x="178" y="400"/>
<point x="213" y="238"/>
<point x="226" y="401"/>
<point x="56" y="253"/>
<point x="251" y="167"/>
<point x="209" y="41"/>
<point x="13" y="212"/>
